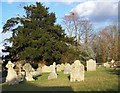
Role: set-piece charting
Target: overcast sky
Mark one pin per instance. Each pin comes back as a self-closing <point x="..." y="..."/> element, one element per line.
<point x="100" y="12"/>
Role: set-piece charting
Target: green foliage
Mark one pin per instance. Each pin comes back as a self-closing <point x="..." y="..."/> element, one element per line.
<point x="87" y="54"/>
<point x="38" y="37"/>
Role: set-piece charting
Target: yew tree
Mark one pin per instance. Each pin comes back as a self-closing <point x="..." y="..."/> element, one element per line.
<point x="36" y="37"/>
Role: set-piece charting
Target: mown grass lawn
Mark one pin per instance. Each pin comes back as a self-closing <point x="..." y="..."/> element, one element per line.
<point x="103" y="79"/>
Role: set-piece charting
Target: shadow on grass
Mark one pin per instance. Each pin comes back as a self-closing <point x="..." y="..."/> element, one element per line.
<point x="114" y="71"/>
<point x="24" y="87"/>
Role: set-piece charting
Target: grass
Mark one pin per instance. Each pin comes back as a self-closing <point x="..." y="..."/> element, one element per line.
<point x="104" y="79"/>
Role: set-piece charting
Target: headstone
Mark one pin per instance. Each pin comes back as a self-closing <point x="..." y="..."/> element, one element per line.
<point x="19" y="68"/>
<point x="52" y="74"/>
<point x="77" y="71"/>
<point x="58" y="67"/>
<point x="29" y="72"/>
<point x="91" y="65"/>
<point x="46" y="69"/>
<point x="112" y="63"/>
<point x="77" y="62"/>
<point x="39" y="69"/>
<point x="36" y="73"/>
<point x="107" y="65"/>
<point x="54" y="64"/>
<point x="67" y="68"/>
<point x="12" y="77"/>
<point x="62" y="66"/>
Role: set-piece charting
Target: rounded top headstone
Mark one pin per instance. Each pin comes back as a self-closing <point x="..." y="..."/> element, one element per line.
<point x="10" y="64"/>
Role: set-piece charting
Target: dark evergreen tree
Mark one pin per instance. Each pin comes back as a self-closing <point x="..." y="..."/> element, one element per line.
<point x="37" y="38"/>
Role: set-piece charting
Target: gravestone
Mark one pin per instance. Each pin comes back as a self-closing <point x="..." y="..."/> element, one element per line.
<point x="62" y="66"/>
<point x="77" y="72"/>
<point x="19" y="68"/>
<point x="91" y="65"/>
<point x="77" y="62"/>
<point x="46" y="69"/>
<point x="12" y="77"/>
<point x="67" y="68"/>
<point x="58" y="67"/>
<point x="112" y="63"/>
<point x="39" y="69"/>
<point x="52" y="74"/>
<point x="28" y="71"/>
<point x="107" y="65"/>
<point x="54" y="64"/>
<point x="36" y="73"/>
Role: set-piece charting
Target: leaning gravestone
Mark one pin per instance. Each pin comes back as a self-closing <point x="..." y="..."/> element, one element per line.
<point x="52" y="74"/>
<point x="77" y="71"/>
<point x="67" y="68"/>
<point x="12" y="77"/>
<point x="28" y="70"/>
<point x="91" y="65"/>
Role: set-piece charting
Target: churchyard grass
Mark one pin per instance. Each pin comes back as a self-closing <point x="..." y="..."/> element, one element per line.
<point x="103" y="79"/>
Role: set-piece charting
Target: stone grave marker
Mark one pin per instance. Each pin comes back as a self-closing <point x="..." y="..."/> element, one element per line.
<point x="62" y="66"/>
<point x="107" y="65"/>
<point x="29" y="72"/>
<point x="112" y="63"/>
<point x="58" y="67"/>
<point x="91" y="65"/>
<point x="46" y="69"/>
<point x="67" y="68"/>
<point x="54" y="64"/>
<point x="12" y="77"/>
<point x="77" y="72"/>
<point x="52" y="74"/>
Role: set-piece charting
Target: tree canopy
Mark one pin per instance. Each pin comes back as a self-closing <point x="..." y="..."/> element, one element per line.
<point x="36" y="37"/>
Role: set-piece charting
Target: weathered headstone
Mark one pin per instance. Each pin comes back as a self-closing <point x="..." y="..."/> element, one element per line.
<point x="39" y="69"/>
<point x="77" y="71"/>
<point x="58" y="67"/>
<point x="46" y="69"/>
<point x="112" y="63"/>
<point x="29" y="70"/>
<point x="12" y="77"/>
<point x="52" y="74"/>
<point x="107" y="65"/>
<point x="62" y="66"/>
<point x="54" y="64"/>
<point x="67" y="68"/>
<point x="91" y="65"/>
<point x="19" y="68"/>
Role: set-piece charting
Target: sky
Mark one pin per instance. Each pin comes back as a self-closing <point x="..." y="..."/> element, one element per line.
<point x="100" y="12"/>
